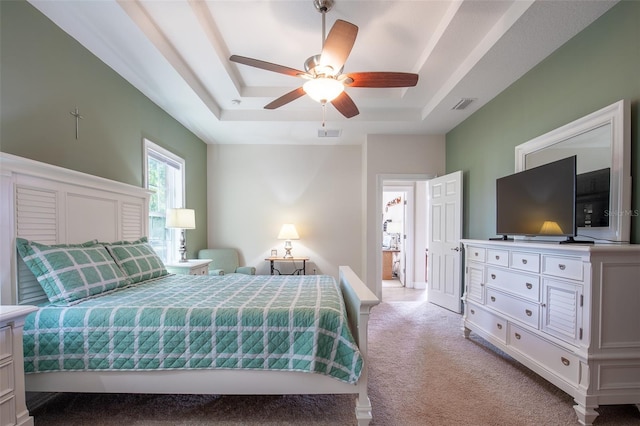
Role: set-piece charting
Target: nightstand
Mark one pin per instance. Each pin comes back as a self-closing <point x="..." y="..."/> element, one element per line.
<point x="13" y="407"/>
<point x="190" y="267"/>
<point x="296" y="271"/>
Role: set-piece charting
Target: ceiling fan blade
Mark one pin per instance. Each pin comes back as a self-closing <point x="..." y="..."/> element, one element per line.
<point x="345" y="105"/>
<point x="338" y="45"/>
<point x="285" y="99"/>
<point x="381" y="79"/>
<point x="266" y="66"/>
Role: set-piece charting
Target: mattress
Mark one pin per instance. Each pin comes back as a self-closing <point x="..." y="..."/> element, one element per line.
<point x="236" y="321"/>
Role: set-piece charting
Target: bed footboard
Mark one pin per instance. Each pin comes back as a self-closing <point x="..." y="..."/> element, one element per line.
<point x="359" y="300"/>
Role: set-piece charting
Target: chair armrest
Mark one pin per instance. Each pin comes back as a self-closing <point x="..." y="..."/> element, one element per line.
<point x="216" y="272"/>
<point x="249" y="270"/>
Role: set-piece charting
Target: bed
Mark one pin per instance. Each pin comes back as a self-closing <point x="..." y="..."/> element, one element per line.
<point x="53" y="206"/>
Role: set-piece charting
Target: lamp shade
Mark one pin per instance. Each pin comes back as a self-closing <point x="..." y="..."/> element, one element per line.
<point x="288" y="232"/>
<point x="181" y="218"/>
<point x="323" y="89"/>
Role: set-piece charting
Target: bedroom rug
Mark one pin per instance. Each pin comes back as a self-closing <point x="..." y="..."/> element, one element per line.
<point x="423" y="372"/>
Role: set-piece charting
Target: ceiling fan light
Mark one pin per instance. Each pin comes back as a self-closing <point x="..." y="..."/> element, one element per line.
<point x="323" y="89"/>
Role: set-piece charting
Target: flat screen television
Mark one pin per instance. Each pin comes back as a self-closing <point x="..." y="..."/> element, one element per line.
<point x="540" y="201"/>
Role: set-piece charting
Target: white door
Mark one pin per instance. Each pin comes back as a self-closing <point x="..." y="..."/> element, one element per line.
<point x="445" y="230"/>
<point x="402" y="268"/>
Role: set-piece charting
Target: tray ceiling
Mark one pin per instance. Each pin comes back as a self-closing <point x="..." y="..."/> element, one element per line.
<point x="177" y="52"/>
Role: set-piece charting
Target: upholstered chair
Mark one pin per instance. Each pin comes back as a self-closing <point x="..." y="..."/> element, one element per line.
<point x="225" y="261"/>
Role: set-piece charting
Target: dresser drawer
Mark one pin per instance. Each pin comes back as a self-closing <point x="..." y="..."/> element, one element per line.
<point x="521" y="310"/>
<point x="522" y="261"/>
<point x="476" y="254"/>
<point x="498" y="257"/>
<point x="6" y="349"/>
<point x="7" y="410"/>
<point x="6" y="378"/>
<point x="527" y="286"/>
<point x="200" y="270"/>
<point x="491" y="323"/>
<point x="563" y="266"/>
<point x="552" y="357"/>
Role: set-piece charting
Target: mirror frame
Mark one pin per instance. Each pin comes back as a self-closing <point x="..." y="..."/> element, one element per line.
<point x="618" y="115"/>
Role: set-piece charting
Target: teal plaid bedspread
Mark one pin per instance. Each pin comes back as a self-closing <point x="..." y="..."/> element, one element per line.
<point x="262" y="322"/>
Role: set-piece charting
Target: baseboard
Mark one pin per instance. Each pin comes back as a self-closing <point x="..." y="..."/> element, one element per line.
<point x="419" y="285"/>
<point x="36" y="399"/>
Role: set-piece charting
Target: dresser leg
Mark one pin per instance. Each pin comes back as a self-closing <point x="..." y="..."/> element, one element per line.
<point x="586" y="415"/>
<point x="466" y="331"/>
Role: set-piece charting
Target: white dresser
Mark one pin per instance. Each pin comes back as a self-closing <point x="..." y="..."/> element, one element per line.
<point x="13" y="409"/>
<point x="571" y="313"/>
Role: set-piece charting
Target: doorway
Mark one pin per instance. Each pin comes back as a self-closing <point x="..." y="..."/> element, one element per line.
<point x="407" y="211"/>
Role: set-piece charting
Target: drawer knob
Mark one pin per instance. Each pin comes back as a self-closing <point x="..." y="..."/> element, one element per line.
<point x="565" y="361"/>
<point x="473" y="312"/>
<point x="493" y="276"/>
<point x="475" y="254"/>
<point x="518" y="336"/>
<point x="493" y="298"/>
<point x="562" y="267"/>
<point x="528" y="312"/>
<point x="529" y="286"/>
<point x="499" y="326"/>
<point x="524" y="261"/>
<point x="497" y="257"/>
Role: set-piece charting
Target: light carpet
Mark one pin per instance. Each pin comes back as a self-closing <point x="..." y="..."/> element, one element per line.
<point x="422" y="372"/>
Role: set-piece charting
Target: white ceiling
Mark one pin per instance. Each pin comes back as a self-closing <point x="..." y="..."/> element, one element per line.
<point x="177" y="52"/>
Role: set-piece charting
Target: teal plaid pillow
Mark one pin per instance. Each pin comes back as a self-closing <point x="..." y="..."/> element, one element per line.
<point x="137" y="259"/>
<point x="69" y="273"/>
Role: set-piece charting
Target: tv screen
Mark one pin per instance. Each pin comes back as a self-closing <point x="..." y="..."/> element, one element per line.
<point x="538" y="201"/>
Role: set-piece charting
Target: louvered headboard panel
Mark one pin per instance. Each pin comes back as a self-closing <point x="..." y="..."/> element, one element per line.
<point x="53" y="205"/>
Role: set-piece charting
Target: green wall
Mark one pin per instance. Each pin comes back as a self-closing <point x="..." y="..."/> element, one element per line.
<point x="45" y="74"/>
<point x="596" y="68"/>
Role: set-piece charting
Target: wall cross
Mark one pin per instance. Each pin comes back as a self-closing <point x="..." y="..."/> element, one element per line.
<point x="78" y="117"/>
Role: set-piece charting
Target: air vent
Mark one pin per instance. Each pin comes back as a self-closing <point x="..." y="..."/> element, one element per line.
<point x="463" y="103"/>
<point x="329" y="133"/>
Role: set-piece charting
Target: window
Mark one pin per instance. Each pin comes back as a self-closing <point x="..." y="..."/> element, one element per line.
<point x="164" y="174"/>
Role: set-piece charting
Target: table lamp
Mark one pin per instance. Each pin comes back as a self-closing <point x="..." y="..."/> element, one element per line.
<point x="181" y="219"/>
<point x="288" y="232"/>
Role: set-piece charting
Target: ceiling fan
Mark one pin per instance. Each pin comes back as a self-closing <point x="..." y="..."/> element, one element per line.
<point x="323" y="72"/>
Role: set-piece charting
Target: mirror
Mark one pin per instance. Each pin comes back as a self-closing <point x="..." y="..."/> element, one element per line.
<point x="601" y="142"/>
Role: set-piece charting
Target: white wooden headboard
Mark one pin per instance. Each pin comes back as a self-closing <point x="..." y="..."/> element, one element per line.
<point x="54" y="205"/>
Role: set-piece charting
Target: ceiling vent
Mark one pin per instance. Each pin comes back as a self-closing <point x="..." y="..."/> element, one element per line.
<point x="329" y="133"/>
<point x="463" y="103"/>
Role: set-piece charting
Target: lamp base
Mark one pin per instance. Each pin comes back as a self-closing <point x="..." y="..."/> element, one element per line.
<point x="183" y="248"/>
<point x="287" y="249"/>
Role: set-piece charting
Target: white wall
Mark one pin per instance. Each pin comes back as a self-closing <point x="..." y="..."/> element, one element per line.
<point x="393" y="156"/>
<point x="421" y="235"/>
<point x="254" y="189"/>
<point x="329" y="192"/>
